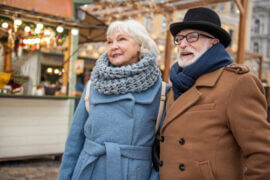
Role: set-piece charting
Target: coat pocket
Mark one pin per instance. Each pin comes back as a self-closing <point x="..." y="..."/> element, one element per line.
<point x="203" y="107"/>
<point x="206" y="170"/>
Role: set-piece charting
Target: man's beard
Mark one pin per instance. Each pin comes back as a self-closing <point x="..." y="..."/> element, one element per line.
<point x="197" y="55"/>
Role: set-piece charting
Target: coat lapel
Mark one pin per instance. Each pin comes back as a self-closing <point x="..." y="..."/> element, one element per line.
<point x="180" y="105"/>
<point x="190" y="97"/>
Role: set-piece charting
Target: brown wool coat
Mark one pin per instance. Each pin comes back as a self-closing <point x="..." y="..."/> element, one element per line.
<point x="212" y="125"/>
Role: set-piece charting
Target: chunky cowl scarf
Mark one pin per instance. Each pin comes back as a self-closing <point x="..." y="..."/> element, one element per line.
<point x="110" y="80"/>
<point x="184" y="78"/>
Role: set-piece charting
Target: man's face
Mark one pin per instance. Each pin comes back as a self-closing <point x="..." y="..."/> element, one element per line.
<point x="189" y="52"/>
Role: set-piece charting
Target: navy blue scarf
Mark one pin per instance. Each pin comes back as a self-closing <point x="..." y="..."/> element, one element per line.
<point x="184" y="78"/>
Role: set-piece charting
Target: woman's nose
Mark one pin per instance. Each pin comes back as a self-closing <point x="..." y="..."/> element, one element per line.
<point x="114" y="45"/>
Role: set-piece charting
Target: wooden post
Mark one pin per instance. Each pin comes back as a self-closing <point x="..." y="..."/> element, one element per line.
<point x="66" y="64"/>
<point x="7" y="58"/>
<point x="167" y="62"/>
<point x="242" y="34"/>
<point x="260" y="67"/>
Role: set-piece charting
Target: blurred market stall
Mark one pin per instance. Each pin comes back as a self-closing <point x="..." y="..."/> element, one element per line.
<point x="38" y="69"/>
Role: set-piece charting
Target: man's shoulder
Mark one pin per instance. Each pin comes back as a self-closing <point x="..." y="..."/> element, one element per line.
<point x="237" y="68"/>
<point x="239" y="72"/>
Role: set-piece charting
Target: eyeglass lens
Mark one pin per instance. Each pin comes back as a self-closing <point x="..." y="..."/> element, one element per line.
<point x="190" y="37"/>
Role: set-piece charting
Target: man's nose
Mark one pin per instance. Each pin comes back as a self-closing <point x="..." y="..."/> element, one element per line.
<point x="183" y="44"/>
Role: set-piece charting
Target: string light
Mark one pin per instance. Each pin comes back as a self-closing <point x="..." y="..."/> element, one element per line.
<point x="47" y="32"/>
<point x="37" y="30"/>
<point x="74" y="32"/>
<point x="31" y="41"/>
<point x="17" y="22"/>
<point x="5" y="25"/>
<point x="49" y="70"/>
<point x="56" y="71"/>
<point x="27" y="29"/>
<point x="59" y="29"/>
<point x="39" y="25"/>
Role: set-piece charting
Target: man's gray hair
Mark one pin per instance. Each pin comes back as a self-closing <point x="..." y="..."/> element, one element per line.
<point x="136" y="30"/>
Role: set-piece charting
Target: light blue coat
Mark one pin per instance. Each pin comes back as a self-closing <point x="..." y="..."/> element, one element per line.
<point x="114" y="140"/>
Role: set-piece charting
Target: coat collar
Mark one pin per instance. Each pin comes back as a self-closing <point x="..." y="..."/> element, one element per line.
<point x="145" y="97"/>
<point x="190" y="97"/>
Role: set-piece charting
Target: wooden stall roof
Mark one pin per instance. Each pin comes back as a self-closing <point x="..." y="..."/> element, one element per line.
<point x="109" y="11"/>
<point x="91" y="28"/>
<point x="92" y="34"/>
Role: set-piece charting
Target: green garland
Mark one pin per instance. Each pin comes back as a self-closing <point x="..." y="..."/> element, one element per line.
<point x="32" y="26"/>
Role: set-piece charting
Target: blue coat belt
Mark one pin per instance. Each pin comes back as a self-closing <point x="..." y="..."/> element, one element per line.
<point x="113" y="152"/>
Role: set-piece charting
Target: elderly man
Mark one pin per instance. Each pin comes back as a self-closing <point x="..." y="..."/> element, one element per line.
<point x="215" y="126"/>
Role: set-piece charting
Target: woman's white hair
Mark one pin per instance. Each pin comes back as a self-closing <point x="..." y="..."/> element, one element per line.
<point x="136" y="30"/>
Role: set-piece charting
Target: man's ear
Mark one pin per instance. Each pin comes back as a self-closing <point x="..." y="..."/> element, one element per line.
<point x="214" y="41"/>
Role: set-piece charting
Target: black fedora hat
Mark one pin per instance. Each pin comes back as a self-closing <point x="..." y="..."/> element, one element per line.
<point x="203" y="19"/>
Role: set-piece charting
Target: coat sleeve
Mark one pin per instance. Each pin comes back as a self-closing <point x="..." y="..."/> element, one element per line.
<point x="75" y="141"/>
<point x="247" y="121"/>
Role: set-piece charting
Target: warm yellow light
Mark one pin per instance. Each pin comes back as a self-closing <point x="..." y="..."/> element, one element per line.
<point x="161" y="48"/>
<point x="56" y="71"/>
<point x="27" y="29"/>
<point x="49" y="70"/>
<point x="4" y="25"/>
<point x="162" y="67"/>
<point x="95" y="55"/>
<point x="47" y="32"/>
<point x="47" y="40"/>
<point x="101" y="49"/>
<point x="17" y="22"/>
<point x="37" y="30"/>
<point x="89" y="48"/>
<point x="39" y="25"/>
<point x="59" y="29"/>
<point x="74" y="32"/>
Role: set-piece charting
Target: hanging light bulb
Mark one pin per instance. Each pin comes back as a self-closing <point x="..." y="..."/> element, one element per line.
<point x="59" y="29"/>
<point x="49" y="70"/>
<point x="5" y="25"/>
<point x="47" y="32"/>
<point x="40" y="25"/>
<point x="27" y="29"/>
<point x="74" y="32"/>
<point x="18" y="22"/>
<point x="56" y="71"/>
<point x="37" y="30"/>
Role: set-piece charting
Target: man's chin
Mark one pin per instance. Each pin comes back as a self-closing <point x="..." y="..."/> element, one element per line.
<point x="185" y="62"/>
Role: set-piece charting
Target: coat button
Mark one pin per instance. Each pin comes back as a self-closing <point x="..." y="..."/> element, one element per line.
<point x="182" y="141"/>
<point x="161" y="163"/>
<point x="162" y="139"/>
<point x="182" y="167"/>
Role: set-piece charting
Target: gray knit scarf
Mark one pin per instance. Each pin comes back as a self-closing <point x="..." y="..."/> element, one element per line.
<point x="137" y="77"/>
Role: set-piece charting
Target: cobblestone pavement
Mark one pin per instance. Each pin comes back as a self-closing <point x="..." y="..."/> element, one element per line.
<point x="38" y="169"/>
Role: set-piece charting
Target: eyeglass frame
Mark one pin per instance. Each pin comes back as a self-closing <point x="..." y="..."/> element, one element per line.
<point x="185" y="37"/>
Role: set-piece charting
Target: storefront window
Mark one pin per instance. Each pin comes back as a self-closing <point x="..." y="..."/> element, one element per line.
<point x="256" y="47"/>
<point x="257" y="26"/>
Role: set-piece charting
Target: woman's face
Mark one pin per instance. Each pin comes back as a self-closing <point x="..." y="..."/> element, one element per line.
<point x="122" y="49"/>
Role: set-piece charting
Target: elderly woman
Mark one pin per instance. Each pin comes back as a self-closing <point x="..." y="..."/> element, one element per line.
<point x="113" y="141"/>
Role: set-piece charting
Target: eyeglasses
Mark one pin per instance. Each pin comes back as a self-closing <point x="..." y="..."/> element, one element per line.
<point x="190" y="37"/>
